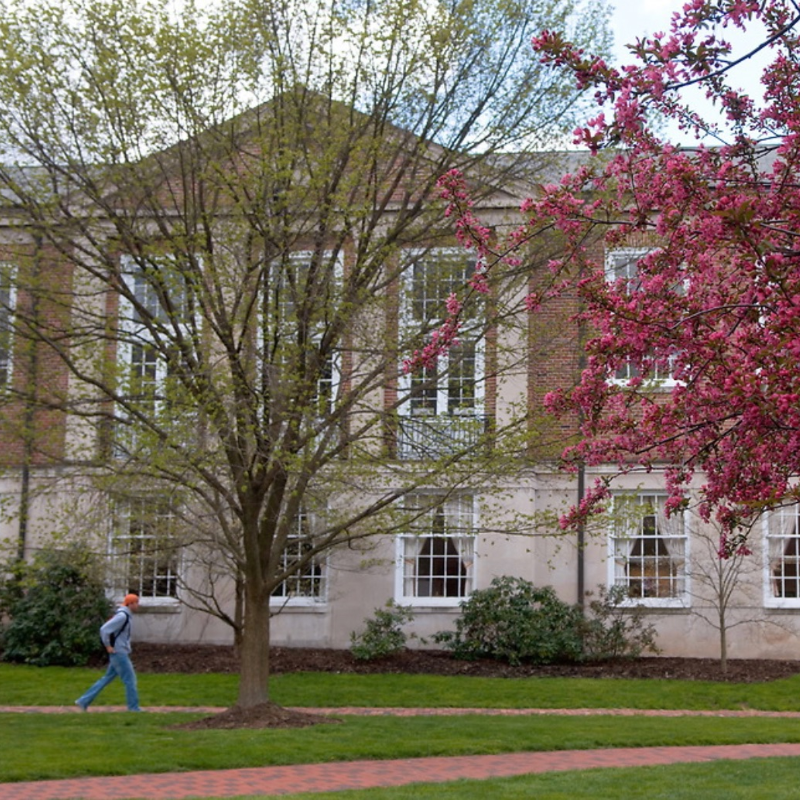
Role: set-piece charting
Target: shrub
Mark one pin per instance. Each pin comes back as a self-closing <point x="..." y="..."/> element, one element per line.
<point x="514" y="621"/>
<point x="383" y="635"/>
<point x="614" y="630"/>
<point x="54" y="607"/>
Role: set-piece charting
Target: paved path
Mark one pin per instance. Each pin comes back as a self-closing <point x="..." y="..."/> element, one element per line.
<point x="366" y="774"/>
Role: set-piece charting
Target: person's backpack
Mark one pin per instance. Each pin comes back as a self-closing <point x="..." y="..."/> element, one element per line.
<point x="113" y="637"/>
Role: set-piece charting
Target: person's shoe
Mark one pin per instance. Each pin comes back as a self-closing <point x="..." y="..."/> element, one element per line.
<point x="81" y="706"/>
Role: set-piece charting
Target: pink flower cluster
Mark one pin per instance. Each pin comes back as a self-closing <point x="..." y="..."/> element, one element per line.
<point x="707" y="332"/>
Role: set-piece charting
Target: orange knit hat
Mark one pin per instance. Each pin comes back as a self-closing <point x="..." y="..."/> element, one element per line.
<point x="130" y="599"/>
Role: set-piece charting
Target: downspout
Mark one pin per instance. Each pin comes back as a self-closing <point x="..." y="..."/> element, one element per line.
<point x="581" y="532"/>
<point x="581" y="538"/>
<point x="24" y="506"/>
<point x="28" y="419"/>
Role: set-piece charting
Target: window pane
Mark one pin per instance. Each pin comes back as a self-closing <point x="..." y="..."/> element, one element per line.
<point x="6" y="313"/>
<point x="434" y="277"/>
<point x="145" y="548"/>
<point x="461" y="378"/>
<point x="784" y="553"/>
<point x="438" y="561"/>
<point x="648" y="549"/>
<point x="424" y="390"/>
<point x="309" y="581"/>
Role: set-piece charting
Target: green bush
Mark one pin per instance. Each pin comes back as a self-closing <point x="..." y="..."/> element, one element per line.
<point x="615" y="630"/>
<point x="53" y="609"/>
<point x="514" y="621"/>
<point x="383" y="635"/>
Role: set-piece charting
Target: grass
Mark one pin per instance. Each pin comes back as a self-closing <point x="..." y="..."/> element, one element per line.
<point x="37" y="747"/>
<point x="760" y="779"/>
<point x="20" y="685"/>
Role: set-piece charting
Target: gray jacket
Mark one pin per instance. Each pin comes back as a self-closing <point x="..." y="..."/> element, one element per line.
<point x="116" y="632"/>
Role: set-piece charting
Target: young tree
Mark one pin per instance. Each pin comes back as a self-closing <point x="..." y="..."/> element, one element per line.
<point x="215" y="212"/>
<point x="716" y="582"/>
<point x="694" y="313"/>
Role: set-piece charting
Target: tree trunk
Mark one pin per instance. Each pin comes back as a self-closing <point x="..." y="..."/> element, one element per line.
<point x="238" y="615"/>
<point x="723" y="645"/>
<point x="254" y="673"/>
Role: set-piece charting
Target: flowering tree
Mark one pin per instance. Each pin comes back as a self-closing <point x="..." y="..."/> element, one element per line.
<point x="692" y="360"/>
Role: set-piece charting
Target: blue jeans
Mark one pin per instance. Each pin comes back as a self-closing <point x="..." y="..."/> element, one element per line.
<point x="119" y="666"/>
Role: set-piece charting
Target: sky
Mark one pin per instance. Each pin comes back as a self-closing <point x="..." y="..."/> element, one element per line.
<point x="637" y="18"/>
<point x="632" y="18"/>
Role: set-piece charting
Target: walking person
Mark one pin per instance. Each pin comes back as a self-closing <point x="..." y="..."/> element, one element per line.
<point x="116" y="636"/>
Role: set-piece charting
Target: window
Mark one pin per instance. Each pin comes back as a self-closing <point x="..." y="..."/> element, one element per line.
<point x="157" y="313"/>
<point x="783" y="557"/>
<point x="307" y="585"/>
<point x="648" y="551"/>
<point x="156" y="322"/>
<point x="296" y="306"/>
<point x="622" y="266"/>
<point x="7" y="298"/>
<point x="144" y="549"/>
<point x="444" y="408"/>
<point x="436" y="558"/>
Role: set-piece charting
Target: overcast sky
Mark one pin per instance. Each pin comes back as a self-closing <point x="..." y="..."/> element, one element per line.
<point x="632" y="18"/>
<point x="636" y="18"/>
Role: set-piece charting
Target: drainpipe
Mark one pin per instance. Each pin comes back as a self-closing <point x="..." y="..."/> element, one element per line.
<point x="581" y="477"/>
<point x="28" y="420"/>
<point x="24" y="508"/>
<point x="581" y="539"/>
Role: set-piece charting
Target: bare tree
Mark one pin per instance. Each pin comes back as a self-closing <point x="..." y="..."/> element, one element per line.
<point x="718" y="582"/>
<point x="225" y="239"/>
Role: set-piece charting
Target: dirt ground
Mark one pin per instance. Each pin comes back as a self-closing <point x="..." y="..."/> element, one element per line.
<point x="209" y="658"/>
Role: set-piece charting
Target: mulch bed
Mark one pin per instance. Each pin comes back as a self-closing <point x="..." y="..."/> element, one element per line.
<point x="265" y="715"/>
<point x="210" y="658"/>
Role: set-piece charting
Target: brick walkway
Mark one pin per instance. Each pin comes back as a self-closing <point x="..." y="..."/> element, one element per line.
<point x="366" y="774"/>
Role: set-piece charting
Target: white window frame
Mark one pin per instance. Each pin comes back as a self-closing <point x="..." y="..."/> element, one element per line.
<point x="8" y="302"/>
<point x="621" y="262"/>
<point x="410" y="325"/>
<point x="622" y="542"/>
<point x="781" y="533"/>
<point x="316" y="571"/>
<point x="460" y="519"/>
<point x="124" y="558"/>
<point x="136" y="334"/>
<point x="332" y="385"/>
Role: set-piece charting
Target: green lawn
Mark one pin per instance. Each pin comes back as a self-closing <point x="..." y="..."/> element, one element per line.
<point x="760" y="779"/>
<point x="39" y="746"/>
<point x="59" y="686"/>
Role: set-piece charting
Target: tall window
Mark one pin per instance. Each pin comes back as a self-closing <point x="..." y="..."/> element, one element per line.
<point x="454" y="385"/>
<point x="145" y="550"/>
<point x="444" y="410"/>
<point x="622" y="266"/>
<point x="436" y="558"/>
<point x="160" y="310"/>
<point x="297" y="304"/>
<point x="307" y="585"/>
<point x="7" y="298"/>
<point x="648" y="551"/>
<point x="783" y="557"/>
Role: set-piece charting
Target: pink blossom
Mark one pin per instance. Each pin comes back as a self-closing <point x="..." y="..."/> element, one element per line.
<point x="715" y="305"/>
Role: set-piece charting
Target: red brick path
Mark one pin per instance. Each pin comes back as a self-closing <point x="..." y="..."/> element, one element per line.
<point x="365" y="774"/>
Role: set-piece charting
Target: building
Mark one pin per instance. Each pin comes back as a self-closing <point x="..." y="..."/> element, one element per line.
<point x="202" y="370"/>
